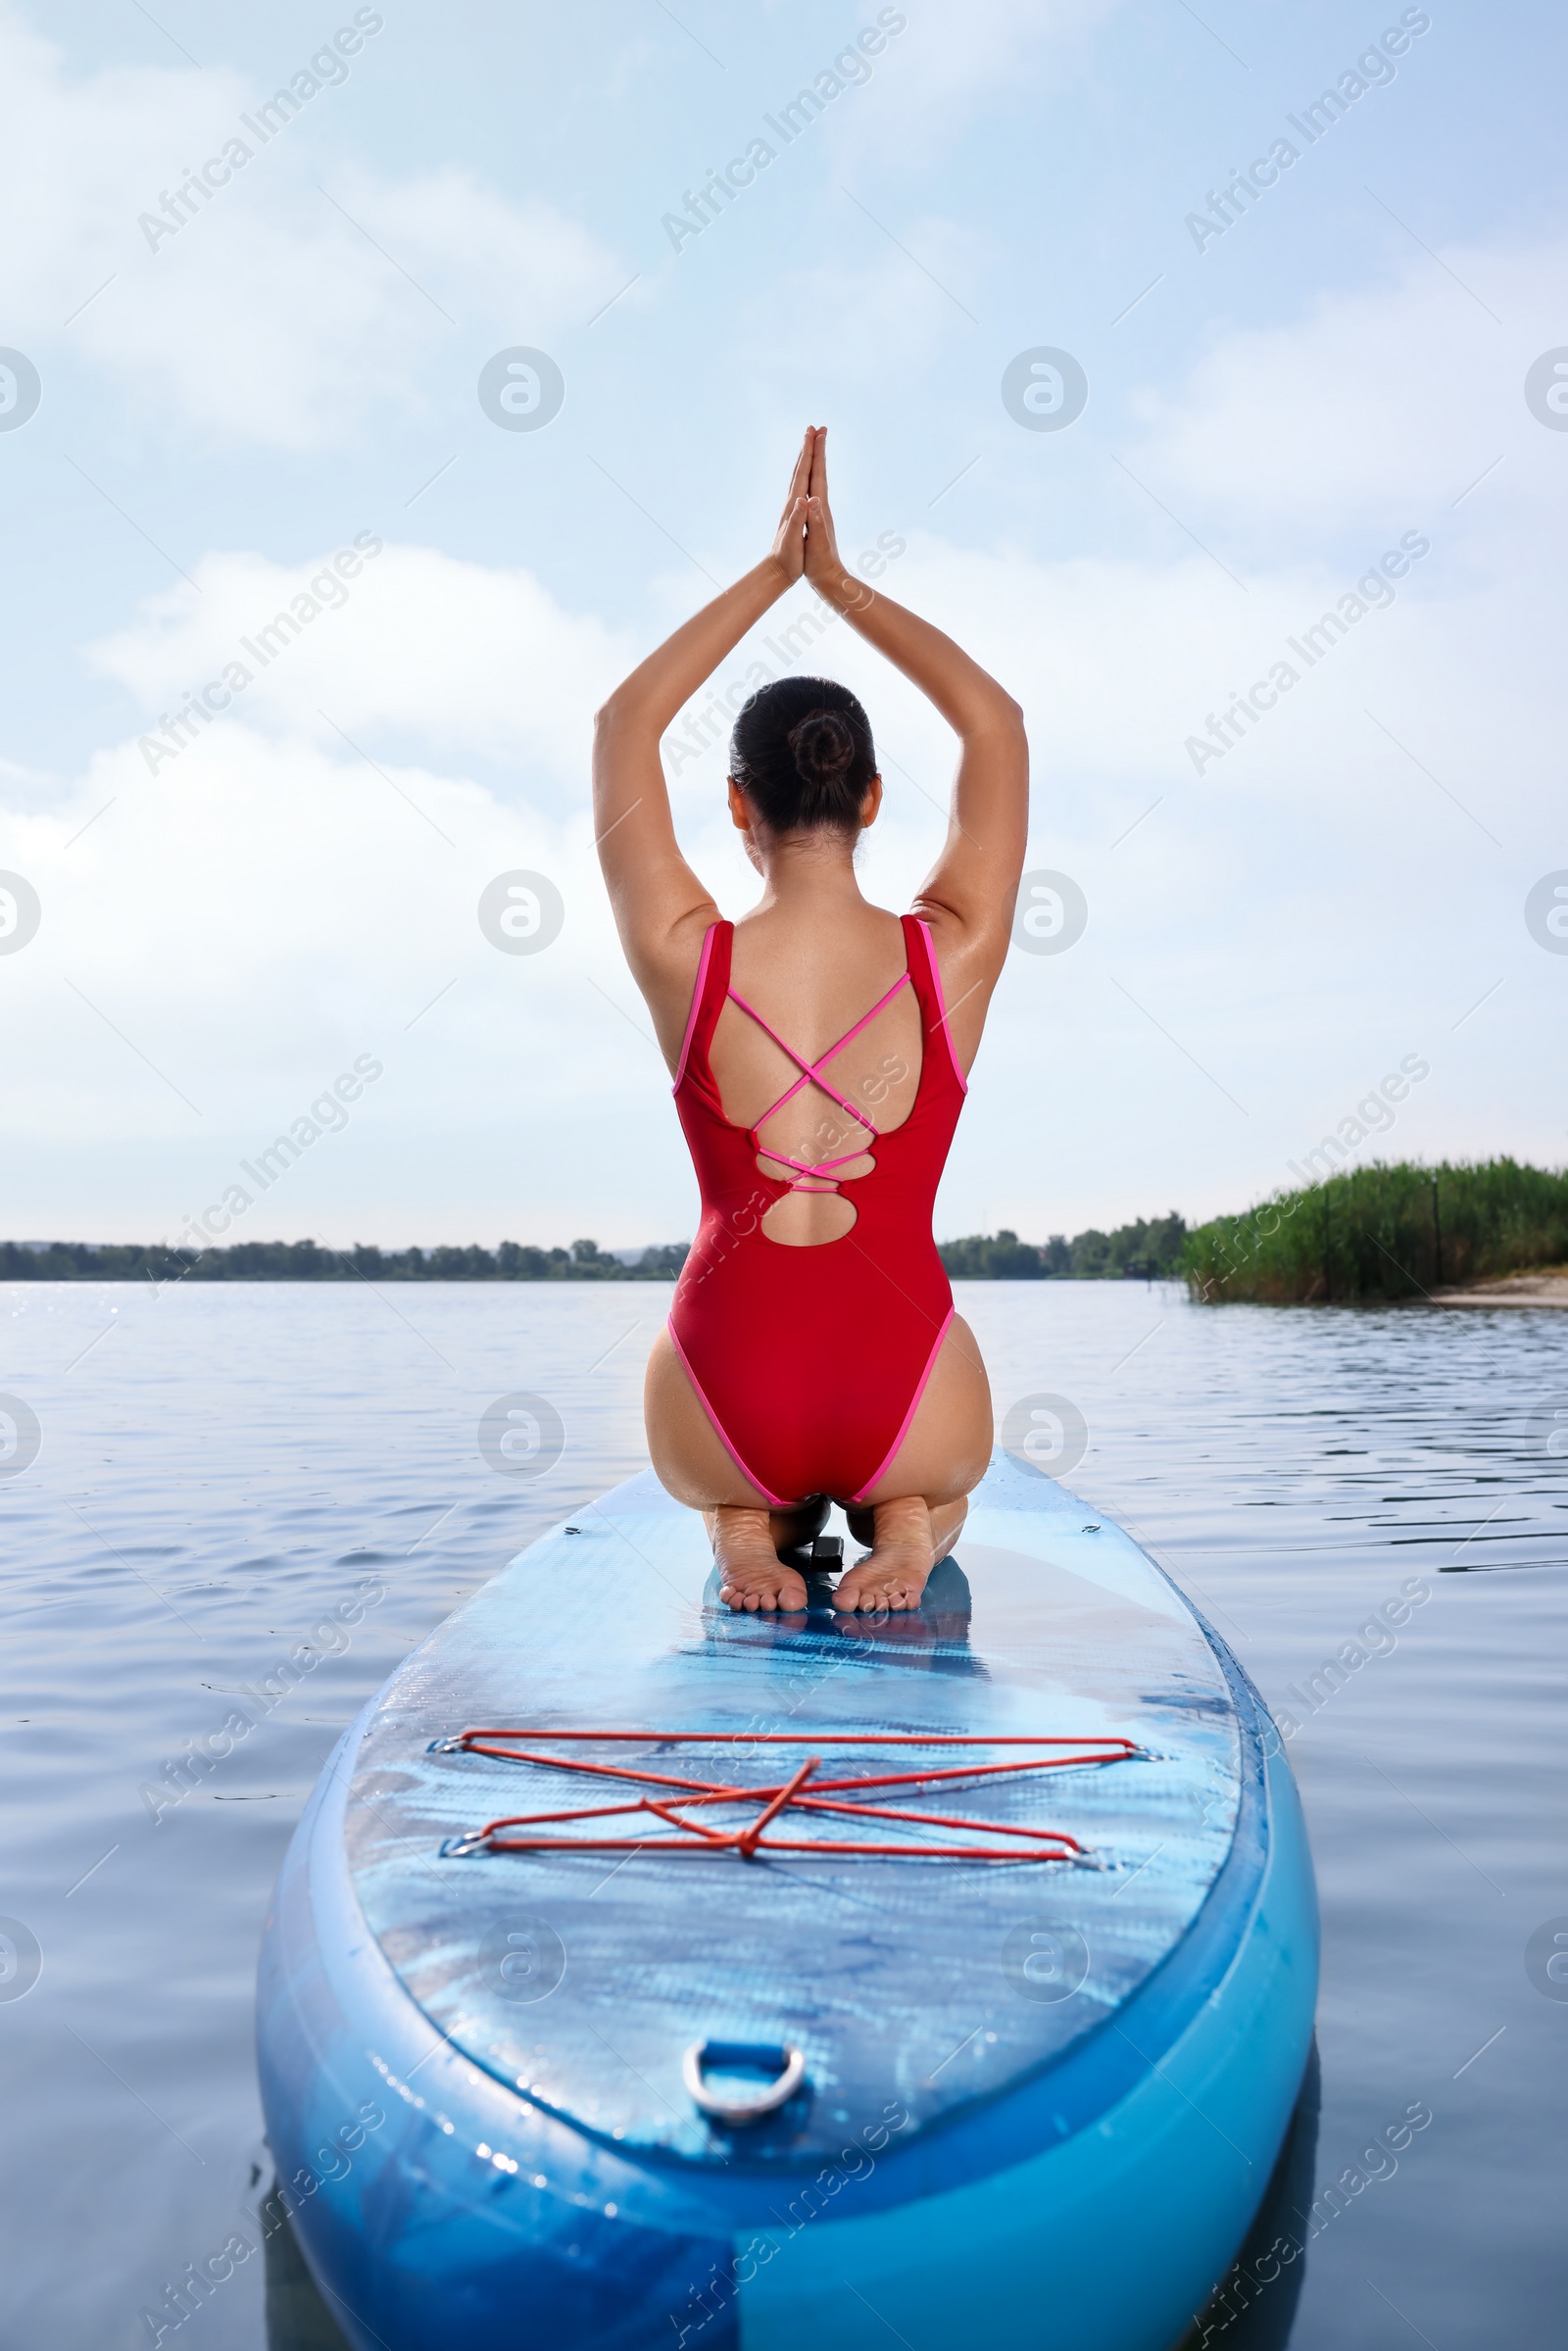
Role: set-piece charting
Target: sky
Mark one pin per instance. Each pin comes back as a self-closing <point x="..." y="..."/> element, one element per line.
<point x="1328" y="387"/>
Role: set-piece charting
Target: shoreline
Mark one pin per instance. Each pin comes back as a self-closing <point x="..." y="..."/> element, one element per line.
<point x="1547" y="1288"/>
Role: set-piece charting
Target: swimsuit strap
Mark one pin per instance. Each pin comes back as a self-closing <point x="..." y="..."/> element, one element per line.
<point x="707" y="997"/>
<point x="817" y="1167"/>
<point x="812" y="1071"/>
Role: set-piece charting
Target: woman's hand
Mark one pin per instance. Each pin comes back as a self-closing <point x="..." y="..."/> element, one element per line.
<point x="662" y="908"/>
<point x="789" y="540"/>
<point x="967" y="899"/>
<point x="824" y="568"/>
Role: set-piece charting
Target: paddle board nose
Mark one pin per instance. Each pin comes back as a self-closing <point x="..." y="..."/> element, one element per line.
<point x="655" y="1932"/>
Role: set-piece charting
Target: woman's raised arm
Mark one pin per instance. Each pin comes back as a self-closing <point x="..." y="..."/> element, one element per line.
<point x="661" y="906"/>
<point x="969" y="897"/>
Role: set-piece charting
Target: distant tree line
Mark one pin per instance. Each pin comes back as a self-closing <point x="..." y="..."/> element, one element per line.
<point x="1379" y="1232"/>
<point x="1143" y="1251"/>
<point x="308" y="1261"/>
<point x="1146" y="1251"/>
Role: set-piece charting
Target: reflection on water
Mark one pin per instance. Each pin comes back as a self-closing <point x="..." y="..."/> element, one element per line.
<point x="1254" y="2307"/>
<point x="219" y="1470"/>
<point x="296" y="2317"/>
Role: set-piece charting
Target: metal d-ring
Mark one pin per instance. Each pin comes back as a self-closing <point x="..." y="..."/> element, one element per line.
<point x="740" y="2110"/>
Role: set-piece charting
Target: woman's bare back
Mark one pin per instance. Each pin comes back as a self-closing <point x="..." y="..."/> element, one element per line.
<point x="811" y="976"/>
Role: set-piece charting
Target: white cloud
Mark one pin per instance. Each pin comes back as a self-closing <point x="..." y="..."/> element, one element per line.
<point x="941" y="71"/>
<point x="269" y="904"/>
<point x="232" y="932"/>
<point x="463" y="660"/>
<point x="1395" y="395"/>
<point x="1318" y="904"/>
<point x="269" y="316"/>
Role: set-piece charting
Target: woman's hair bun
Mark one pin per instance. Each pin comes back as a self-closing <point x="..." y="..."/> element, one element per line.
<point x="802" y="753"/>
<point x="823" y="746"/>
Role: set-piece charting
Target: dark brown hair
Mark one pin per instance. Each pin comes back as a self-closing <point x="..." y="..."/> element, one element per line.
<point x="802" y="753"/>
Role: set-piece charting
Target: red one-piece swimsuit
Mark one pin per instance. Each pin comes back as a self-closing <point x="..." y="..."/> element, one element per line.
<point x="809" y="1361"/>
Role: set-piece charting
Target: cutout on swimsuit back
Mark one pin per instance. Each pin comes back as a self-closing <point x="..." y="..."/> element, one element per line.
<point x="839" y="1142"/>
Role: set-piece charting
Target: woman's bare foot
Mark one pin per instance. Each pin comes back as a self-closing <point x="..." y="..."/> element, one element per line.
<point x="907" y="1540"/>
<point x="746" y="1552"/>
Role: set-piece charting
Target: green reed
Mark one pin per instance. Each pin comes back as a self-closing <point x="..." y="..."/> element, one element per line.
<point x="1383" y="1231"/>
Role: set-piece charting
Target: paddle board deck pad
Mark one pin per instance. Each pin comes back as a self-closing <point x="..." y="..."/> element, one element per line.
<point x="742" y="2032"/>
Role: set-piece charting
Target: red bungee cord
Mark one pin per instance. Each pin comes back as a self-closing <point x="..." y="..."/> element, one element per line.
<point x="830" y="1797"/>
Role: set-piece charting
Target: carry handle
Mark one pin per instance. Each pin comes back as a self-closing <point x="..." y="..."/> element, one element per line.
<point x="727" y="2108"/>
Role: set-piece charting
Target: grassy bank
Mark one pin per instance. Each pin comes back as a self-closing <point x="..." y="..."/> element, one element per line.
<point x="1383" y="1232"/>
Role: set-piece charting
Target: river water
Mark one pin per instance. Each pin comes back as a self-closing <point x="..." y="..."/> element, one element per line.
<point x="219" y="1467"/>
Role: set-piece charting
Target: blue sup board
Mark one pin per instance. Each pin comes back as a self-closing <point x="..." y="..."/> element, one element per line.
<point x="741" y="2039"/>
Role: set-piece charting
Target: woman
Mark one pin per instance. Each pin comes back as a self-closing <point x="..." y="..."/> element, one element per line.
<point x="819" y="1049"/>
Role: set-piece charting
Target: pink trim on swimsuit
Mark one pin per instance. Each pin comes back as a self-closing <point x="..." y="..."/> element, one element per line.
<point x="886" y="1462"/>
<point x="936" y="982"/>
<point x="778" y="1500"/>
<point x="697" y="1001"/>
